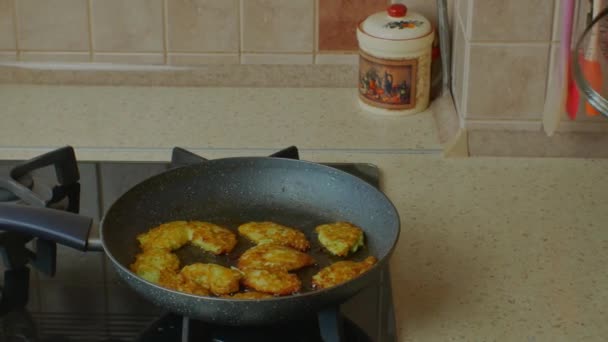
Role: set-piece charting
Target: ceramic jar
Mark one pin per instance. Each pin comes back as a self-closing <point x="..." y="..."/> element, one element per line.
<point x="395" y="61"/>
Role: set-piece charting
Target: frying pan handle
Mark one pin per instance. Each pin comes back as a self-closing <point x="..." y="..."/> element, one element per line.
<point x="62" y="227"/>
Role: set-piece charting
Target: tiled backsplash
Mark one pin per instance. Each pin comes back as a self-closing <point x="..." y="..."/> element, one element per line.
<point x="187" y="32"/>
<point x="502" y="57"/>
<point x="338" y="21"/>
<point x="503" y="52"/>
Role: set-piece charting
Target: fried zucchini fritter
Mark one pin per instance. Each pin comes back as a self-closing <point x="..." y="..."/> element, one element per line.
<point x="211" y="237"/>
<point x="173" y="235"/>
<point x="170" y="236"/>
<point x="249" y="295"/>
<point x="274" y="233"/>
<point x="274" y="257"/>
<point x="155" y="265"/>
<point x="186" y="285"/>
<point x="340" y="238"/>
<point x="160" y="267"/>
<point x="218" y="279"/>
<point x="341" y="272"/>
<point x="278" y="283"/>
<point x="177" y="282"/>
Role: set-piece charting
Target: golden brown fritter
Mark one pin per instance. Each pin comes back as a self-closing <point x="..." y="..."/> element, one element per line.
<point x="155" y="264"/>
<point x="170" y="280"/>
<point x="274" y="257"/>
<point x="278" y="283"/>
<point x="177" y="282"/>
<point x="341" y="272"/>
<point x="170" y="236"/>
<point x="211" y="237"/>
<point x="189" y="286"/>
<point x="173" y="235"/>
<point x="340" y="238"/>
<point x="249" y="295"/>
<point x="274" y="233"/>
<point x="218" y="279"/>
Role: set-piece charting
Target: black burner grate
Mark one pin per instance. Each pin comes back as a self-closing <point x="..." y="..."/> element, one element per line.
<point x="170" y="328"/>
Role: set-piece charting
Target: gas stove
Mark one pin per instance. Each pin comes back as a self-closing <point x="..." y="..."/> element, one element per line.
<point x="40" y="303"/>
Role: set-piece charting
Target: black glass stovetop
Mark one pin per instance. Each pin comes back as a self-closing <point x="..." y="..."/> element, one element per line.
<point x="368" y="316"/>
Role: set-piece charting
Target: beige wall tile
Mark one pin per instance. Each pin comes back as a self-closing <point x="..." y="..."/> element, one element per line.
<point x="203" y="25"/>
<point x="277" y="25"/>
<point x="127" y="26"/>
<point x="53" y="25"/>
<point x="459" y="67"/>
<point x="512" y="20"/>
<point x="507" y="81"/>
<point x="8" y="56"/>
<point x="130" y="58"/>
<point x="346" y="58"/>
<point x="261" y="58"/>
<point x="203" y="59"/>
<point x="62" y="57"/>
<point x="7" y="27"/>
<point x="338" y="20"/>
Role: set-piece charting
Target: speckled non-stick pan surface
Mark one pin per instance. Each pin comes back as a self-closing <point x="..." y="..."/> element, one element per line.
<point x="237" y="190"/>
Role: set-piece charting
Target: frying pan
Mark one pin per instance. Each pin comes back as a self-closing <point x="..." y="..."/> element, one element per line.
<point x="229" y="191"/>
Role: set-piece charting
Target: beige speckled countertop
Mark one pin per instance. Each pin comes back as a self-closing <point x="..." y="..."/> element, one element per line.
<point x="491" y="249"/>
<point x="497" y="249"/>
<point x="126" y="123"/>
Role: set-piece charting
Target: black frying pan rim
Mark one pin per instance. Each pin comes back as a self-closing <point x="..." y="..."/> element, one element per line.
<point x="281" y="298"/>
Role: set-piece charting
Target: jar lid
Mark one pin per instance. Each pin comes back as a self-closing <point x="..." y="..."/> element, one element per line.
<point x="396" y="23"/>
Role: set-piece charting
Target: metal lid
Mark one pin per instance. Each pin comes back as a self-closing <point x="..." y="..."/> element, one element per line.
<point x="396" y="23"/>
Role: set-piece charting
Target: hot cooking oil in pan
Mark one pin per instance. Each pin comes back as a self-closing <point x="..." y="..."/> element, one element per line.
<point x="305" y="222"/>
